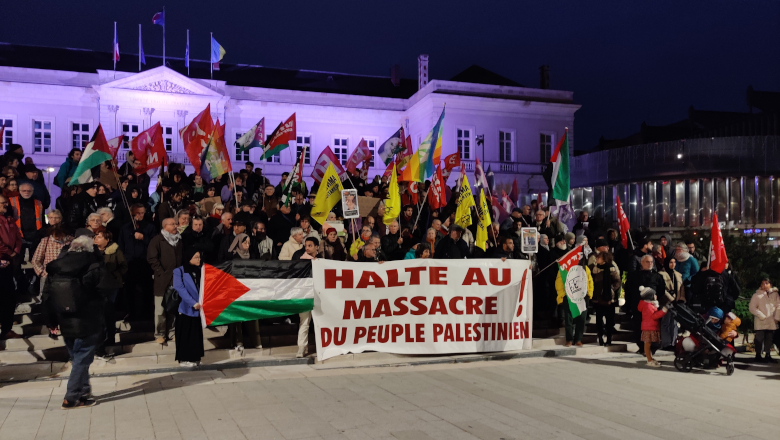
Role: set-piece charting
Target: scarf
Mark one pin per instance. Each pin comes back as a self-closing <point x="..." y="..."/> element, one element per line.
<point x="172" y="239"/>
<point x="431" y="242"/>
<point x="192" y="270"/>
<point x="235" y="247"/>
<point x="682" y="256"/>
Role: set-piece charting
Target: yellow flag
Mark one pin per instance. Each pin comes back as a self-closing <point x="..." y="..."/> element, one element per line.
<point x="465" y="202"/>
<point x="483" y="214"/>
<point x="328" y="195"/>
<point x="393" y="202"/>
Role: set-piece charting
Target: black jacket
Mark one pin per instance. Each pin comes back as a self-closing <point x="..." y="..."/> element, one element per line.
<point x="646" y="278"/>
<point x="132" y="248"/>
<point x="200" y="240"/>
<point x="392" y="250"/>
<point x="450" y="250"/>
<point x="83" y="205"/>
<point x="74" y="281"/>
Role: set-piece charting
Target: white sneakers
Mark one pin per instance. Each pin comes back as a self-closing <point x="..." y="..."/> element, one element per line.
<point x="187" y="364"/>
<point x="654" y="363"/>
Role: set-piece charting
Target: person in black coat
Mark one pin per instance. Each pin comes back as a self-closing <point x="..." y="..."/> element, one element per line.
<point x="84" y="204"/>
<point x="392" y="243"/>
<point x="452" y="247"/>
<point x="134" y="242"/>
<point x="646" y="276"/>
<point x="279" y="226"/>
<point x="74" y="287"/>
<point x="196" y="237"/>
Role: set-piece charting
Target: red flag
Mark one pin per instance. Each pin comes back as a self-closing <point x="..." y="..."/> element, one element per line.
<point x="539" y="201"/>
<point x="361" y="153"/>
<point x="402" y="158"/>
<point x="195" y="136"/>
<point x="113" y="144"/>
<point x="514" y="194"/>
<point x="414" y="193"/>
<point x="623" y="224"/>
<point x="436" y="191"/>
<point x="450" y="162"/>
<point x="718" y="258"/>
<point x="389" y="171"/>
<point x="149" y="148"/>
<point x="499" y="212"/>
<point x="327" y="157"/>
<point x="364" y="170"/>
<point x="507" y="204"/>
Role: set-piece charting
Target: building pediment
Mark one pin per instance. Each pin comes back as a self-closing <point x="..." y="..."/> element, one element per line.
<point x="162" y="80"/>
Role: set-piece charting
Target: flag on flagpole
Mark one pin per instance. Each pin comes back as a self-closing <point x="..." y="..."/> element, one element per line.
<point x="327" y="196"/>
<point x="159" y="18"/>
<point x="327" y="159"/>
<point x="217" y="53"/>
<point x="113" y="145"/>
<point x="95" y="153"/>
<point x="391" y="147"/>
<point x="402" y="158"/>
<point x="389" y="170"/>
<point x="483" y="221"/>
<point x="436" y="197"/>
<point x="393" y="202"/>
<point x="187" y="53"/>
<point x="282" y="136"/>
<point x="414" y="193"/>
<point x="559" y="166"/>
<point x="115" y="48"/>
<point x="216" y="159"/>
<point x="506" y="203"/>
<point x="450" y="162"/>
<point x="149" y="148"/>
<point x="464" y="203"/>
<point x="255" y="137"/>
<point x="491" y="180"/>
<point x="294" y="178"/>
<point x="574" y="279"/>
<point x="423" y="162"/>
<point x="360" y="154"/>
<point x="623" y="224"/>
<point x="514" y="194"/>
<point x="195" y="136"/>
<point x="479" y="175"/>
<point x="141" y="57"/>
<point x="718" y="258"/>
<point x="499" y="212"/>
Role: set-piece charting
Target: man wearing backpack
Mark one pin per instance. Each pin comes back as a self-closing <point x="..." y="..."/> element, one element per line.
<point x="75" y="290"/>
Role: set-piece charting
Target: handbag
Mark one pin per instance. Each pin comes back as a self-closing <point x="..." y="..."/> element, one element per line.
<point x="171" y="299"/>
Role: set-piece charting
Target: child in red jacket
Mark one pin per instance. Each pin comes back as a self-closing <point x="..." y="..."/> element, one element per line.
<point x="651" y="322"/>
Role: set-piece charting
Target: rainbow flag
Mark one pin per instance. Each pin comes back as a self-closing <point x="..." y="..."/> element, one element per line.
<point x="423" y="163"/>
<point x="216" y="160"/>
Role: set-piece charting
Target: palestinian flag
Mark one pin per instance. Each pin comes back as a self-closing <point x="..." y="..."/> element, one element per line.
<point x="558" y="170"/>
<point x="96" y="152"/>
<point x="575" y="280"/>
<point x="245" y="290"/>
<point x="294" y="179"/>
<point x="282" y="136"/>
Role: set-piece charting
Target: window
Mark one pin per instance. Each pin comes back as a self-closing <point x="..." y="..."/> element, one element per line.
<point x="545" y="146"/>
<point x="80" y="134"/>
<point x="8" y="133"/>
<point x="42" y="136"/>
<point x="168" y="137"/>
<point x="129" y="131"/>
<point x="463" y="136"/>
<point x="276" y="158"/>
<point x="340" y="147"/>
<point x="506" y="145"/>
<point x="241" y="156"/>
<point x="372" y="148"/>
<point x="303" y="140"/>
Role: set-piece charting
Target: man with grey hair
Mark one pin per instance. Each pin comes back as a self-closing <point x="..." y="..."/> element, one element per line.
<point x="109" y="222"/>
<point x="646" y="276"/>
<point x="94" y="222"/>
<point x="294" y="244"/>
<point x="72" y="286"/>
<point x="164" y="255"/>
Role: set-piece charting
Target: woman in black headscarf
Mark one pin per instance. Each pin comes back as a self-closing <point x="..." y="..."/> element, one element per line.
<point x="189" y="333"/>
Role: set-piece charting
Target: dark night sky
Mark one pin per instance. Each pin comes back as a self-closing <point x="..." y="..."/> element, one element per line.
<point x="626" y="61"/>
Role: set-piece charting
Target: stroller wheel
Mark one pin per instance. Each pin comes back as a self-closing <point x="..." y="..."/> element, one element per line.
<point x="682" y="364"/>
<point x="729" y="365"/>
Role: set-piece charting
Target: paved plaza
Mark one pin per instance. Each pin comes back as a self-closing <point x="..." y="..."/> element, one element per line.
<point x="607" y="396"/>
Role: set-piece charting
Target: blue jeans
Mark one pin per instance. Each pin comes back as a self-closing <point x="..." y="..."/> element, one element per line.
<point x="82" y="351"/>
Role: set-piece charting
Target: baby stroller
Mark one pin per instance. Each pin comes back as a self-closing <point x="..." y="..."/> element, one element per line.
<point x="703" y="348"/>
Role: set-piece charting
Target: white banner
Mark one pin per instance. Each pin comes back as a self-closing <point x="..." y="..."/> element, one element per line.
<point x="422" y="306"/>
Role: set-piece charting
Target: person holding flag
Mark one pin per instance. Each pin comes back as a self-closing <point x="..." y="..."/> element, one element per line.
<point x="574" y="284"/>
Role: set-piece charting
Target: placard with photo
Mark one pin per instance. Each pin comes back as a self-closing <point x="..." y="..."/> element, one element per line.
<point x="349" y="203"/>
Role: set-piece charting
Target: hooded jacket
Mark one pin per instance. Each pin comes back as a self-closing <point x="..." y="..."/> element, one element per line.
<point x="728" y="327"/>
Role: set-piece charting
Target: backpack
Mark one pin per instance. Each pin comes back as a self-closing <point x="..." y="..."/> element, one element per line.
<point x="714" y="292"/>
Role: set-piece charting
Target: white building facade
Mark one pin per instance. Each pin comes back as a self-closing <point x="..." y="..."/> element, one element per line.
<point x="510" y="129"/>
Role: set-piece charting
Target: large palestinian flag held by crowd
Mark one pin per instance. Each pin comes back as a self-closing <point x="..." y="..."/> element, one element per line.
<point x="245" y="290"/>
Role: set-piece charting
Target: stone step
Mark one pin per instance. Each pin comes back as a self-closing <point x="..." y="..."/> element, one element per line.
<point x="587" y="338"/>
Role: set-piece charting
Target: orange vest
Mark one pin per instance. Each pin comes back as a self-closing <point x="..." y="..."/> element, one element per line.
<point x="38" y="214"/>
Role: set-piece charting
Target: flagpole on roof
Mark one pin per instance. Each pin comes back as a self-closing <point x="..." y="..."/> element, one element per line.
<point x="187" y="53"/>
<point x="211" y="35"/>
<point x="113" y="49"/>
<point x="163" y="35"/>
<point x="140" y="48"/>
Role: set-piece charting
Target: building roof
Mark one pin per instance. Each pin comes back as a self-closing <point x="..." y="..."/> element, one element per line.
<point x="764" y="101"/>
<point x="247" y="75"/>
<point x="479" y="75"/>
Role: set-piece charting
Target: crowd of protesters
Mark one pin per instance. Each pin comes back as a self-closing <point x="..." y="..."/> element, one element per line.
<point x="126" y="247"/>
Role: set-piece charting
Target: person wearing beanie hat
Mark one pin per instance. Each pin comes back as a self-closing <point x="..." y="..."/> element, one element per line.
<point x="651" y="322"/>
<point x="331" y="247"/>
